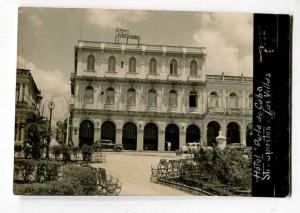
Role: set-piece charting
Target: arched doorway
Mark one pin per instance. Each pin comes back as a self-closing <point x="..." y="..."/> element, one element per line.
<point x="249" y="135"/>
<point x="213" y="129"/>
<point x="150" y="137"/>
<point x="233" y="133"/>
<point x="86" y="133"/>
<point x="108" y="131"/>
<point x="192" y="134"/>
<point x="172" y="135"/>
<point x="129" y="136"/>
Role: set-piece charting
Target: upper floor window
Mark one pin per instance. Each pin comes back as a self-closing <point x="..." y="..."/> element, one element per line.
<point x="110" y="96"/>
<point x="152" y="66"/>
<point x="111" y="64"/>
<point x="214" y="99"/>
<point x="173" y="99"/>
<point x="193" y="68"/>
<point x="132" y="65"/>
<point x="232" y="101"/>
<point x="89" y="95"/>
<point x="193" y="99"/>
<point x="250" y="101"/>
<point x="152" y="98"/>
<point x="131" y="97"/>
<point x="91" y="62"/>
<point x="173" y="67"/>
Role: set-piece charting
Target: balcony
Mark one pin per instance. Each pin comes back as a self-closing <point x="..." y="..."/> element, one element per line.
<point x="153" y="76"/>
<point x="249" y="111"/>
<point x="131" y="75"/>
<point x="195" y="78"/>
<point x="216" y="110"/>
<point x="152" y="108"/>
<point x="172" y="109"/>
<point x="130" y="107"/>
<point x="110" y="74"/>
<point x="108" y="106"/>
<point x="89" y="73"/>
<point x="193" y="109"/>
<point x="173" y="77"/>
<point x="235" y="111"/>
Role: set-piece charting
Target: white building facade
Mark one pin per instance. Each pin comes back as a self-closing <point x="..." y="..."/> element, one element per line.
<point x="142" y="96"/>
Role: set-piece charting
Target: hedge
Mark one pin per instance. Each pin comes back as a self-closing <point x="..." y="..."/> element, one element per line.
<point x="76" y="180"/>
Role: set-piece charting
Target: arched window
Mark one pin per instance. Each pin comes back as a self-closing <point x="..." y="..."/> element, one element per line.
<point x="152" y="66"/>
<point x="173" y="99"/>
<point x="17" y="92"/>
<point x="91" y="63"/>
<point x="193" y="68"/>
<point x="131" y="97"/>
<point x="232" y="101"/>
<point x="250" y="101"/>
<point x="193" y="99"/>
<point x="111" y="64"/>
<point x="152" y="98"/>
<point x="110" y="96"/>
<point x="214" y="99"/>
<point x="132" y="65"/>
<point x="89" y="95"/>
<point x="173" y="67"/>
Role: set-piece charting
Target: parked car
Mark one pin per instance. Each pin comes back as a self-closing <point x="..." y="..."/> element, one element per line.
<point x="107" y="144"/>
<point x="190" y="147"/>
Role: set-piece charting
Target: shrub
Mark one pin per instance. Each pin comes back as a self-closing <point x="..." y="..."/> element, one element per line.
<point x="27" y="170"/>
<point x="63" y="150"/>
<point x="228" y="167"/>
<point x="87" y="152"/>
<point x="76" y="180"/>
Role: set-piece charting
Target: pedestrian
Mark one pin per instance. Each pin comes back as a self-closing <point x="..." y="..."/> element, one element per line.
<point x="169" y="144"/>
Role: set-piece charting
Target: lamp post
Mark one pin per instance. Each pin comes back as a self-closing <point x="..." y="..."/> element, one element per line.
<point x="51" y="107"/>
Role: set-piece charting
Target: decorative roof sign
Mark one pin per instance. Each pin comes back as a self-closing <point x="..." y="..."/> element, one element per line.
<point x="122" y="33"/>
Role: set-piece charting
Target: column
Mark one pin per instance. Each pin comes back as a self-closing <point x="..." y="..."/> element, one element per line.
<point x="139" y="140"/>
<point x="97" y="134"/>
<point x="161" y="140"/>
<point x="204" y="134"/>
<point x="119" y="136"/>
<point x="182" y="138"/>
<point x="75" y="136"/>
<point x="243" y="133"/>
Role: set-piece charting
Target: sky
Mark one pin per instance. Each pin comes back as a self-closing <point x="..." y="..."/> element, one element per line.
<point x="46" y="40"/>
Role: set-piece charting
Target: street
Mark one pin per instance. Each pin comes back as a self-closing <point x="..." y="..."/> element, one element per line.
<point x="134" y="170"/>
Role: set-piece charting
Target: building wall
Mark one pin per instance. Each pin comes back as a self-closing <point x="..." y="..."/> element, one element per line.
<point x="100" y="80"/>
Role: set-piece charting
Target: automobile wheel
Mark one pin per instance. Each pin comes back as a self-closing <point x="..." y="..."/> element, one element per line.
<point x="118" y="149"/>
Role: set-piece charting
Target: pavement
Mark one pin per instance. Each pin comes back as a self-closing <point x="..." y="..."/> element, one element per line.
<point x="133" y="169"/>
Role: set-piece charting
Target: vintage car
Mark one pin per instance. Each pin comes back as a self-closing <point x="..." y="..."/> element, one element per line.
<point x="107" y="144"/>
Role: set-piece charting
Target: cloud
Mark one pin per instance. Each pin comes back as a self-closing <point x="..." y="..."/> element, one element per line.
<point x="114" y="18"/>
<point x="228" y="38"/>
<point x="52" y="83"/>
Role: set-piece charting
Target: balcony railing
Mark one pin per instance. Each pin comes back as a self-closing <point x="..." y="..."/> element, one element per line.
<point x="249" y="111"/>
<point x="153" y="76"/>
<point x="174" y="77"/>
<point x="216" y="110"/>
<point x="193" y="110"/>
<point x="131" y="75"/>
<point x="130" y="107"/>
<point x="110" y="74"/>
<point x="235" y="111"/>
<point x="109" y="106"/>
<point x="152" y="108"/>
<point x="172" y="109"/>
<point x="194" y="78"/>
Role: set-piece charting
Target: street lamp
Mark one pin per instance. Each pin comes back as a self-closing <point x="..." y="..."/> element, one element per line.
<point x="51" y="107"/>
